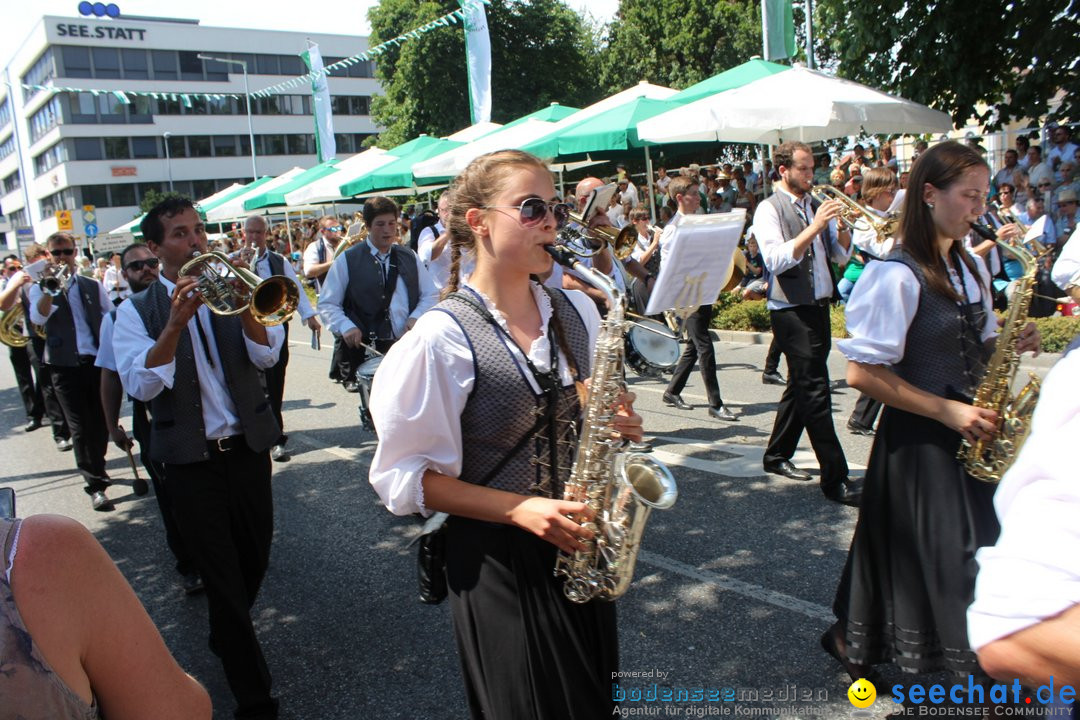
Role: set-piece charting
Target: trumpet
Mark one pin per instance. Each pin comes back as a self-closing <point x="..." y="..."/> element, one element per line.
<point x="272" y="301"/>
<point x="581" y="241"/>
<point x="54" y="278"/>
<point x="855" y="217"/>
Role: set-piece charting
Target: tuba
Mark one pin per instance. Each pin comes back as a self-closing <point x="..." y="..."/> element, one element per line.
<point x="855" y="217"/>
<point x="11" y="328"/>
<point x="621" y="488"/>
<point x="229" y="290"/>
<point x="987" y="460"/>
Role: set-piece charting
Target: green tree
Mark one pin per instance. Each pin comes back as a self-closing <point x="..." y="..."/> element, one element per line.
<point x="992" y="60"/>
<point x="540" y="53"/>
<point x="679" y="43"/>
<point x="153" y="196"/>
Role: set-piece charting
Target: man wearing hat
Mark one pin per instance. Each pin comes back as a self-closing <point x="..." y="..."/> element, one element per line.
<point x="725" y="192"/>
<point x="1068" y="210"/>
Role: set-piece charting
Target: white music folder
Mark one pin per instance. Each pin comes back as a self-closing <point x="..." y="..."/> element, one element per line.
<point x="695" y="269"/>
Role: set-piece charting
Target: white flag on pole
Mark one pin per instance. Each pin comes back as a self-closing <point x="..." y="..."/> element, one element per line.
<point x="478" y="56"/>
<point x="320" y="104"/>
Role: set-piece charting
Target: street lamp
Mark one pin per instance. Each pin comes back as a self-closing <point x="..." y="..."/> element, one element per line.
<point x="168" y="160"/>
<point x="247" y="100"/>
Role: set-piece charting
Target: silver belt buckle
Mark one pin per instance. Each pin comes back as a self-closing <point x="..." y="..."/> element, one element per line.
<point x="220" y="446"/>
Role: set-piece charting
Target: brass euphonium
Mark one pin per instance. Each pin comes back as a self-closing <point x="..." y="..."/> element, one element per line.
<point x="580" y="241"/>
<point x="11" y="328"/>
<point x="230" y="290"/>
<point x="855" y="217"/>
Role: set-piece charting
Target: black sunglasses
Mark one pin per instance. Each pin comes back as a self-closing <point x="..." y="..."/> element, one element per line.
<point x="533" y="210"/>
<point x="64" y="251"/>
<point x="137" y="265"/>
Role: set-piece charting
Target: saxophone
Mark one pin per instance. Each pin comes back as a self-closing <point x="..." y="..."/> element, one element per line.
<point x="620" y="488"/>
<point x="987" y="460"/>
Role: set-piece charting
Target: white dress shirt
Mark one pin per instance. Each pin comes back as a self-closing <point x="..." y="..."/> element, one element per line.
<point x="116" y="284"/>
<point x="779" y="255"/>
<point x="105" y="359"/>
<point x="439" y="268"/>
<point x="332" y="298"/>
<point x="883" y="304"/>
<point x="420" y="391"/>
<point x="1033" y="571"/>
<point x="311" y="255"/>
<point x="263" y="270"/>
<point x="1061" y="154"/>
<point x="84" y="336"/>
<point x="1066" y="270"/>
<point x="131" y="343"/>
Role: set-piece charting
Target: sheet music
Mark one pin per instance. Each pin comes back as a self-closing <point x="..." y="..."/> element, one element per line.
<point x="696" y="266"/>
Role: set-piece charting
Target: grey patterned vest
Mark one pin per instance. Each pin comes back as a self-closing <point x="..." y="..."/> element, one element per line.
<point x="365" y="295"/>
<point x="796" y="284"/>
<point x="943" y="354"/>
<point x="177" y="432"/>
<point x="60" y="345"/>
<point x="503" y="408"/>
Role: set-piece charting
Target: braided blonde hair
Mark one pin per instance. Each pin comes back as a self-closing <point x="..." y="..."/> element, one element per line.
<point x="476" y="187"/>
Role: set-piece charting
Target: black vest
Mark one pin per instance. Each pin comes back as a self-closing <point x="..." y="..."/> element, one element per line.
<point x="177" y="432"/>
<point x="60" y="345"/>
<point x="943" y="352"/>
<point x="503" y="408"/>
<point x="365" y="295"/>
<point x="796" y="284"/>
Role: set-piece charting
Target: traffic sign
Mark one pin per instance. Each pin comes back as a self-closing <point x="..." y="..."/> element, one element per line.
<point x="89" y="214"/>
<point x="63" y="220"/>
<point x="90" y="229"/>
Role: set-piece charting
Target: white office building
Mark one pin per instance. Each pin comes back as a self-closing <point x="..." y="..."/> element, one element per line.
<point x="64" y="150"/>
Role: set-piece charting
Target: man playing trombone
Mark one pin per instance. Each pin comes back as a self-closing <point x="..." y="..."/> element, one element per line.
<point x="71" y="306"/>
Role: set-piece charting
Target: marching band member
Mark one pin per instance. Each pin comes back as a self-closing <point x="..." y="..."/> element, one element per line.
<point x="461" y="407"/>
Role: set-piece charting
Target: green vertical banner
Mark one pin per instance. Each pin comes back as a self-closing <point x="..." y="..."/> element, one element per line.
<point x="777" y="29"/>
<point x="320" y="104"/>
<point x="478" y="55"/>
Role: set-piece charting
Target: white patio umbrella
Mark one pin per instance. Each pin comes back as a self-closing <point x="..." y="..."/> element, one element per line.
<point x="234" y="207"/>
<point x="799" y="104"/>
<point x="325" y="189"/>
<point x="451" y="162"/>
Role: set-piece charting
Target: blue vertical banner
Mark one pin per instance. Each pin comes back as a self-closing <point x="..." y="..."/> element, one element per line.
<point x="777" y="29"/>
<point x="320" y="104"/>
<point x="478" y="56"/>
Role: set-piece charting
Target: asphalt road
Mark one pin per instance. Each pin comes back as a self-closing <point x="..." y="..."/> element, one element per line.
<point x="732" y="590"/>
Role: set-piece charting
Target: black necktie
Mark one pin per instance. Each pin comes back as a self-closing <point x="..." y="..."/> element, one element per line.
<point x="384" y="261"/>
<point x="202" y="338"/>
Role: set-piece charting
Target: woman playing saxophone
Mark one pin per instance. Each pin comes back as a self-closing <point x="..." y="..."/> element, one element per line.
<point x="477" y="409"/>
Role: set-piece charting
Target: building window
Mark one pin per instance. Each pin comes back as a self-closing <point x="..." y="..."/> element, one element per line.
<point x="106" y="62"/>
<point x="5" y="113"/>
<point x="164" y="64"/>
<point x="63" y="200"/>
<point x="140" y="110"/>
<point x="76" y="61"/>
<point x="136" y="66"/>
<point x="216" y="71"/>
<point x="19" y="218"/>
<point x="225" y="145"/>
<point x="292" y="65"/>
<point x="199" y="146"/>
<point x="144" y="147"/>
<point x="45" y="119"/>
<point x="96" y="195"/>
<point x="43" y="70"/>
<point x="301" y="144"/>
<point x="266" y="65"/>
<point x="191" y="67"/>
<point x="7" y="147"/>
<point x="202" y="188"/>
<point x="83" y="108"/>
<point x="12" y="183"/>
<point x="116" y="148"/>
<point x="110" y="109"/>
<point x="166" y="107"/>
<point x="272" y="144"/>
<point x="49" y="159"/>
<point x="122" y="194"/>
<point x="88" y="149"/>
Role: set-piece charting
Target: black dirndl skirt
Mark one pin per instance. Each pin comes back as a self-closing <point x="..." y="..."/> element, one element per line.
<point x="527" y="653"/>
<point x="910" y="573"/>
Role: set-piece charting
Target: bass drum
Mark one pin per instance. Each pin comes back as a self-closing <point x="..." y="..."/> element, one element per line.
<point x="364" y="377"/>
<point x="651" y="351"/>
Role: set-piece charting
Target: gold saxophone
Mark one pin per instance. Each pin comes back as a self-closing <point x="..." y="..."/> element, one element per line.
<point x="621" y="488"/>
<point x="987" y="460"/>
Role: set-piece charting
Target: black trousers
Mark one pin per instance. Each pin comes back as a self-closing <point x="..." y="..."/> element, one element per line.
<point x="141" y="430"/>
<point x="29" y="391"/>
<point x="339" y="361"/>
<point x="224" y="510"/>
<point x="802" y="334"/>
<point x="48" y="391"/>
<point x="79" y="391"/>
<point x="772" y="358"/>
<point x="865" y="412"/>
<point x="699" y="347"/>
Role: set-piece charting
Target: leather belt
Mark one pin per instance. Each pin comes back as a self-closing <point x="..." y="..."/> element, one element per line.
<point x="226" y="444"/>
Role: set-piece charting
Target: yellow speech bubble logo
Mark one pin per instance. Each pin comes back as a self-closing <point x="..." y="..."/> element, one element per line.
<point x="862" y="693"/>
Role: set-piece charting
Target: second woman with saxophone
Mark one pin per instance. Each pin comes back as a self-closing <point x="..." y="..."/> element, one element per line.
<point x="476" y="410"/>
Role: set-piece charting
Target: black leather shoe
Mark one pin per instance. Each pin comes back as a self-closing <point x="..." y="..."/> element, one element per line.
<point x="32" y="425"/>
<point x="64" y="444"/>
<point x="856" y="429"/>
<point x="848" y="492"/>
<point x="720" y="412"/>
<point x="676" y="401"/>
<point x="100" y="502"/>
<point x="785" y="468"/>
<point x="351" y="386"/>
<point x="772" y="378"/>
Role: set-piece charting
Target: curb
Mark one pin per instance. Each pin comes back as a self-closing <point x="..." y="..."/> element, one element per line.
<point x="1044" y="361"/>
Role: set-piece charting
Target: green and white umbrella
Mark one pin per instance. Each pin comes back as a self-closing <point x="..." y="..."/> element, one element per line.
<point x="275" y="197"/>
<point x="233" y="207"/>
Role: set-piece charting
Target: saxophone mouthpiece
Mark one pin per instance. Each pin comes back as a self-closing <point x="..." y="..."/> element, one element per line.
<point x="561" y="254"/>
<point x="983" y="231"/>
